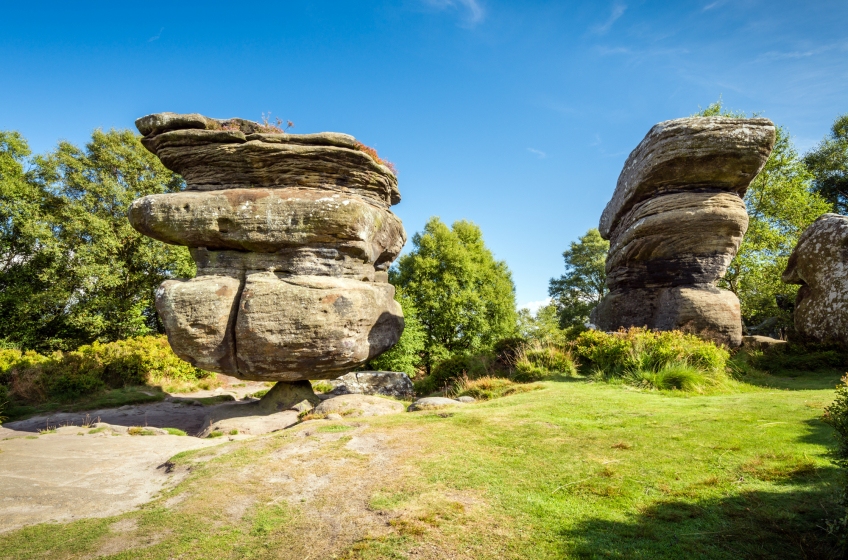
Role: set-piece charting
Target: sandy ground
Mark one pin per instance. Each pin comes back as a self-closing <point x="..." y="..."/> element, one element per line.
<point x="64" y="476"/>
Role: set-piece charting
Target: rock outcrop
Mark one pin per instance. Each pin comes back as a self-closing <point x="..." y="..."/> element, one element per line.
<point x="675" y="222"/>
<point x="292" y="236"/>
<point x="819" y="263"/>
<point x="388" y="383"/>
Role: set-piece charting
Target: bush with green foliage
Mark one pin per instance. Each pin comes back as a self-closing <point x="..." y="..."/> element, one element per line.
<point x="536" y="361"/>
<point x="628" y="352"/>
<point x="836" y="415"/>
<point x="487" y="388"/>
<point x="797" y="357"/>
<point x="32" y="378"/>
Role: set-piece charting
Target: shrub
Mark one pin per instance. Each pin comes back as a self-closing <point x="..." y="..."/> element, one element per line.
<point x="637" y="349"/>
<point x="837" y="416"/>
<point x="673" y="376"/>
<point x="797" y="357"/>
<point x="536" y="361"/>
<point x="487" y="388"/>
<point x="33" y="378"/>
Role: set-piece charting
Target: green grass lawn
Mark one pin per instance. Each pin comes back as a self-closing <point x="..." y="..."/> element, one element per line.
<point x="573" y="470"/>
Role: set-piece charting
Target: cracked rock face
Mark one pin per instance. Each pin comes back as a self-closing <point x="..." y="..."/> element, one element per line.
<point x="675" y="222"/>
<point x="819" y="263"/>
<point x="292" y="236"/>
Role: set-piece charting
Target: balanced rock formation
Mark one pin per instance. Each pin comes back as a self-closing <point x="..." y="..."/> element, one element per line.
<point x="819" y="263"/>
<point x="292" y="236"/>
<point x="675" y="222"/>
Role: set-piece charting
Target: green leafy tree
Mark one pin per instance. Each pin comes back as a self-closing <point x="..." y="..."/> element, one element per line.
<point x="828" y="163"/>
<point x="543" y="326"/>
<point x="464" y="297"/>
<point x="404" y="356"/>
<point x="583" y="285"/>
<point x="80" y="272"/>
<point x="781" y="204"/>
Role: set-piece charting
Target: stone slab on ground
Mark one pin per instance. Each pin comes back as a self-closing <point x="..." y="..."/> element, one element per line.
<point x="358" y="405"/>
<point x="247" y="420"/>
<point x="390" y="383"/>
<point x="433" y="403"/>
<point x="183" y="415"/>
<point x="62" y="477"/>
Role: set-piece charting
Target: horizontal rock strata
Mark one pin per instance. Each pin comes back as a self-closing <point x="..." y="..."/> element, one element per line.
<point x="819" y="263"/>
<point x="675" y="222"/>
<point x="292" y="236"/>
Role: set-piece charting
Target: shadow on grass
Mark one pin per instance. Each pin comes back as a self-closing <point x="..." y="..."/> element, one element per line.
<point x="786" y="523"/>
<point x="796" y="380"/>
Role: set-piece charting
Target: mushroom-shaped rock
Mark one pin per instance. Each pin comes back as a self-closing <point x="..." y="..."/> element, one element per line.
<point x="292" y="236"/>
<point x="819" y="263"/>
<point x="675" y="222"/>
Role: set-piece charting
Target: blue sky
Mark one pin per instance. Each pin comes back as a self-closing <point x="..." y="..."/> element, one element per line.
<point x="515" y="115"/>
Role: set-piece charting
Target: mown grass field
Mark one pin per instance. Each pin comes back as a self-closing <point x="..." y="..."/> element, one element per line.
<point x="574" y="470"/>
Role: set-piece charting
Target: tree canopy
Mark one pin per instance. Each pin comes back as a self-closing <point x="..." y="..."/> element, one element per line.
<point x="73" y="269"/>
<point x="583" y="285"/>
<point x="828" y="162"/>
<point x="465" y="299"/>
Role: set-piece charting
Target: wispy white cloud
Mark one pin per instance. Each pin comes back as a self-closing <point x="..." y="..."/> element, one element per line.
<point x="617" y="12"/>
<point x="156" y="37"/>
<point x="799" y="54"/>
<point x="540" y="153"/>
<point x="474" y="12"/>
<point x="596" y="141"/>
<point x="712" y="5"/>
<point x="535" y="306"/>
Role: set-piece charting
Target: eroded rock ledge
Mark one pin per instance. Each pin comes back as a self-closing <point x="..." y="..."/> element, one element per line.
<point x="675" y="222"/>
<point x="292" y="236"/>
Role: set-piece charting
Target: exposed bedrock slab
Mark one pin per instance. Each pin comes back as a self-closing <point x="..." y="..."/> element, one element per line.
<point x="676" y="221"/>
<point x="819" y="263"/>
<point x="292" y="237"/>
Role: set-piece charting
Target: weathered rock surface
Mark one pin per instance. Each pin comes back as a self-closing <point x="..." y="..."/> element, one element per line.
<point x="292" y="237"/>
<point x="433" y="403"/>
<point x="675" y="222"/>
<point x="358" y="405"/>
<point x="389" y="383"/>
<point x="819" y="263"/>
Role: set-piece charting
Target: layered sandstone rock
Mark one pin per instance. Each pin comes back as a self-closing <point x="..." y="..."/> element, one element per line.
<point x="675" y="222"/>
<point x="292" y="236"/>
<point x="819" y="263"/>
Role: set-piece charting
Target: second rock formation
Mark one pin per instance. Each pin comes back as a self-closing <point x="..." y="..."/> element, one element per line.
<point x="675" y="222"/>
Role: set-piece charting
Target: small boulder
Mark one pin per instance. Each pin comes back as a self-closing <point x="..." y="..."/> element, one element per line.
<point x="433" y="403"/>
<point x="389" y="383"/>
<point x="466" y="399"/>
<point x="358" y="405"/>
